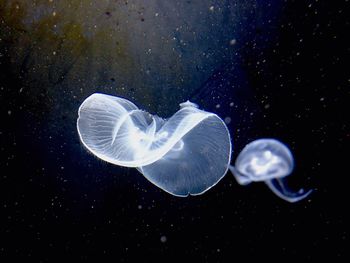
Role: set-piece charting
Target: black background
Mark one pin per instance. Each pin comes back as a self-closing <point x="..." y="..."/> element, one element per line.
<point x="55" y="205"/>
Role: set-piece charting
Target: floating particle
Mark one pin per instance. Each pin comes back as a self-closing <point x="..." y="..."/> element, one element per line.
<point x="232" y="42"/>
<point x="163" y="239"/>
<point x="227" y="120"/>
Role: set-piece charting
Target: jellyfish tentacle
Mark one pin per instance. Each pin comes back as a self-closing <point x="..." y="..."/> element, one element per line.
<point x="242" y="179"/>
<point x="278" y="187"/>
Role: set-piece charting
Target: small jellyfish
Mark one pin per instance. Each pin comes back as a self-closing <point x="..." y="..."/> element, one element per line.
<point x="269" y="161"/>
<point x="185" y="154"/>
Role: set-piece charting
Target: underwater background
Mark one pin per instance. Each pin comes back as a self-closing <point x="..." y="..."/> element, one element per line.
<point x="274" y="69"/>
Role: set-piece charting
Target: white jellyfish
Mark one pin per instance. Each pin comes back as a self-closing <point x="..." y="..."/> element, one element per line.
<point x="267" y="160"/>
<point x="185" y="154"/>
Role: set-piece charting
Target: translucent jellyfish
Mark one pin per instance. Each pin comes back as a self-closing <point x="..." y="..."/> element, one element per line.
<point x="270" y="161"/>
<point x="185" y="154"/>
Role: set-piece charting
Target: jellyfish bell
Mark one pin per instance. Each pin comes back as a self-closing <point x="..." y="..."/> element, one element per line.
<point x="185" y="154"/>
<point x="269" y="161"/>
<point x="265" y="159"/>
<point x="198" y="160"/>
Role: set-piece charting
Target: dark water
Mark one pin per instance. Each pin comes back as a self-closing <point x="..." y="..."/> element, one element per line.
<point x="287" y="78"/>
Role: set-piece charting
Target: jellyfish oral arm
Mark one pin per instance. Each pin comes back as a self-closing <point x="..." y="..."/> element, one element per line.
<point x="278" y="187"/>
<point x="240" y="178"/>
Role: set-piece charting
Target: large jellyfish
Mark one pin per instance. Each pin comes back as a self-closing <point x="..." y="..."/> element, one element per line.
<point x="270" y="161"/>
<point x="185" y="154"/>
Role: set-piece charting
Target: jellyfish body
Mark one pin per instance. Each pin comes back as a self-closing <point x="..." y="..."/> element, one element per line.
<point x="185" y="154"/>
<point x="269" y="161"/>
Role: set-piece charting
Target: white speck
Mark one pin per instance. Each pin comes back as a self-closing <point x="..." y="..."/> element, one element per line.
<point x="156" y="14"/>
<point x="139" y="206"/>
<point x="217" y="106"/>
<point x="267" y="106"/>
<point x="163" y="239"/>
<point x="231" y="104"/>
<point x="322" y="99"/>
<point x="9" y="112"/>
<point x="211" y="8"/>
<point x="227" y="120"/>
<point x="232" y="42"/>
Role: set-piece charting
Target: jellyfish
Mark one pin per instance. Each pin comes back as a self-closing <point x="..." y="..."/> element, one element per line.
<point x="269" y="161"/>
<point x="186" y="154"/>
